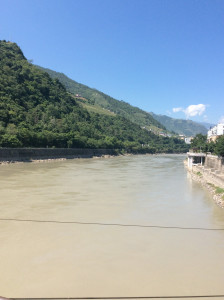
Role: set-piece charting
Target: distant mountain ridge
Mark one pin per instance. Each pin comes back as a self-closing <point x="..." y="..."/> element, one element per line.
<point x="207" y="125"/>
<point x="95" y="97"/>
<point x="185" y="127"/>
<point x="150" y="121"/>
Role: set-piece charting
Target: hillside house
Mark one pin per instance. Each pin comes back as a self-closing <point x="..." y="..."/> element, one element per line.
<point x="188" y="140"/>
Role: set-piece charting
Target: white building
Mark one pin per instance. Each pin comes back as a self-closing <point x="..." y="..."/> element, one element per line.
<point x="188" y="140"/>
<point x="216" y="131"/>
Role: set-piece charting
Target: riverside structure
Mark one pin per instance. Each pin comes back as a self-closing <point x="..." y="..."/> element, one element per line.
<point x="209" y="171"/>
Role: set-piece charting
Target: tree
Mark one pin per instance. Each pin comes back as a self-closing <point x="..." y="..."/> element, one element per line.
<point x="37" y="111"/>
<point x="219" y="146"/>
<point x="199" y="142"/>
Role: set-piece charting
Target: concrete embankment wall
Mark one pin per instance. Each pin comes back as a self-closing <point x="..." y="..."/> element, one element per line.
<point x="29" y="154"/>
<point x="209" y="176"/>
<point x="212" y="170"/>
<point x="215" y="163"/>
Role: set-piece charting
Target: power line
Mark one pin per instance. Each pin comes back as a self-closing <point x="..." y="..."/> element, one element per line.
<point x="114" y="298"/>
<point x="111" y="224"/>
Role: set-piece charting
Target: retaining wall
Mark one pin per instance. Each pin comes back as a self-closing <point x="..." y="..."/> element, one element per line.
<point x="209" y="176"/>
<point x="29" y="154"/>
<point x="214" y="162"/>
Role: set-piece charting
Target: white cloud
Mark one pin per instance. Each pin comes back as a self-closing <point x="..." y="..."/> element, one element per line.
<point x="177" y="109"/>
<point x="192" y="110"/>
<point x="195" y="110"/>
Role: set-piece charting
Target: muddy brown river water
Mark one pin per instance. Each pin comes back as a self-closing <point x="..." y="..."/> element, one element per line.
<point x="80" y="260"/>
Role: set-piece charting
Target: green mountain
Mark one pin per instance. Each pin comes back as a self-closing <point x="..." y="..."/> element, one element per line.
<point x="207" y="125"/>
<point x="98" y="99"/>
<point x="37" y="111"/>
<point x="185" y="127"/>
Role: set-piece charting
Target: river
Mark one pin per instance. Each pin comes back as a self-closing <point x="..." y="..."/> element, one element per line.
<point x="80" y="260"/>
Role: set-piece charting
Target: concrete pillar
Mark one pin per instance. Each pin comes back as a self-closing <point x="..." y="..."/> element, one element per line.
<point x="190" y="162"/>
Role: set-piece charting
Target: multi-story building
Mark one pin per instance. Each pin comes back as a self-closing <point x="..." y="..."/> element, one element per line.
<point x="215" y="132"/>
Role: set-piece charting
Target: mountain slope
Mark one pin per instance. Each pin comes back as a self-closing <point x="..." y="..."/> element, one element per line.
<point x="151" y="121"/>
<point x="206" y="125"/>
<point x="95" y="97"/>
<point x="185" y="127"/>
<point x="37" y="111"/>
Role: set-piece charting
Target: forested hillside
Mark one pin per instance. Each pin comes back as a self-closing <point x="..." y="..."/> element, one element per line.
<point x="151" y="121"/>
<point x="37" y="111"/>
<point x="95" y="97"/>
<point x="180" y="126"/>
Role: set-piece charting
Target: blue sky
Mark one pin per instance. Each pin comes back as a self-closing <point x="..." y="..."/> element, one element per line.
<point x="165" y="56"/>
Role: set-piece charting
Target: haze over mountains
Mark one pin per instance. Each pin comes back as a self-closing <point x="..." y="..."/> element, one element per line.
<point x="157" y="123"/>
<point x="207" y="125"/>
<point x="180" y="126"/>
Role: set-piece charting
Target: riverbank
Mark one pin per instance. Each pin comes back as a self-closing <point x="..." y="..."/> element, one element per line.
<point x="132" y="189"/>
<point x="21" y="155"/>
<point x="207" y="180"/>
<point x="48" y="160"/>
<point x="9" y="155"/>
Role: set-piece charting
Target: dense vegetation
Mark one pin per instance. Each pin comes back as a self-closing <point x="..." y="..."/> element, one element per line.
<point x="95" y="97"/>
<point x="185" y="127"/>
<point x="149" y="120"/>
<point x="200" y="143"/>
<point x="37" y="111"/>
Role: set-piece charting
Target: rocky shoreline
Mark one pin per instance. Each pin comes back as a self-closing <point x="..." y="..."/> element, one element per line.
<point x="198" y="176"/>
